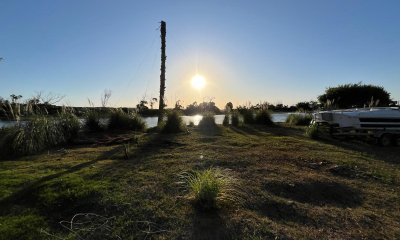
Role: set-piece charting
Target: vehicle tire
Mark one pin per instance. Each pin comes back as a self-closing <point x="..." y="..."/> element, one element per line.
<point x="385" y="140"/>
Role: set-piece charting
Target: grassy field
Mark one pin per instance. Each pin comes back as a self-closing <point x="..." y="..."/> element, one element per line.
<point x="293" y="188"/>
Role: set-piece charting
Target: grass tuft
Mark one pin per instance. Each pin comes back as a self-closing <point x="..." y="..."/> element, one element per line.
<point x="211" y="188"/>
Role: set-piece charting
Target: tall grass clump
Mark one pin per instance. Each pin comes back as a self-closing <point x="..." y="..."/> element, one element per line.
<point x="125" y="121"/>
<point x="92" y="121"/>
<point x="248" y="116"/>
<point x="31" y="137"/>
<point x="263" y="117"/>
<point x="211" y="188"/>
<point x="312" y="131"/>
<point x="69" y="125"/>
<point x="299" y="120"/>
<point x="237" y="119"/>
<point x="174" y="123"/>
<point x="208" y="121"/>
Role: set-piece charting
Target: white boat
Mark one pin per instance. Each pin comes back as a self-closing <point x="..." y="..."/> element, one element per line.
<point x="380" y="123"/>
<point x="364" y="118"/>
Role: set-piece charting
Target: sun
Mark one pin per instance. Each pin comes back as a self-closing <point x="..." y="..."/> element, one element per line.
<point x="198" y="82"/>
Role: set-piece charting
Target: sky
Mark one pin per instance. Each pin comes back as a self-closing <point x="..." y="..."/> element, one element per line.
<point x="248" y="51"/>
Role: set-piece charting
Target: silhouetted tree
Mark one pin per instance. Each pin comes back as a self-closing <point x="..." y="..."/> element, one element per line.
<point x="355" y="95"/>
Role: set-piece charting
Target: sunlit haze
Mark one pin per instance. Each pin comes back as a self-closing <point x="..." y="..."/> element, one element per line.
<point x="248" y="51"/>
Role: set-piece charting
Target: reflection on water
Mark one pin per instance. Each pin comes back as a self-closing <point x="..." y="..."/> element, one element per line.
<point x="152" y="121"/>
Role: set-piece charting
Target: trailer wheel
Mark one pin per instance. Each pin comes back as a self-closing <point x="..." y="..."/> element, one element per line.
<point x="385" y="140"/>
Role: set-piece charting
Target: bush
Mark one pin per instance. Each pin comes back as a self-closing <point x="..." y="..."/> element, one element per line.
<point x="211" y="188"/>
<point x="92" y="121"/>
<point x="124" y="121"/>
<point x="208" y="121"/>
<point x="174" y="123"/>
<point x="263" y="117"/>
<point x="312" y="131"/>
<point x="299" y="120"/>
<point x="237" y="119"/>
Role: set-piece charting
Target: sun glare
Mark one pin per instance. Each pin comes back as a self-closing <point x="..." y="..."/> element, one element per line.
<point x="198" y="82"/>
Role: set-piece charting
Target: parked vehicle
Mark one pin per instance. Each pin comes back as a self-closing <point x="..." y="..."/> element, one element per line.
<point x="380" y="123"/>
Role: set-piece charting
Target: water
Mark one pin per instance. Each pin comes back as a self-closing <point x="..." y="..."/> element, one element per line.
<point x="152" y="121"/>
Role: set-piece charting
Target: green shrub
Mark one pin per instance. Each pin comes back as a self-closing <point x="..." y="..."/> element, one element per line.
<point x="237" y="119"/>
<point x="208" y="121"/>
<point x="263" y="117"/>
<point x="299" y="120"/>
<point x="124" y="121"/>
<point x="92" y="121"/>
<point x="211" y="188"/>
<point x="174" y="123"/>
<point x="312" y="131"/>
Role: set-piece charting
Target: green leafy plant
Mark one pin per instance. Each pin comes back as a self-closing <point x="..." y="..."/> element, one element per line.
<point x="211" y="188"/>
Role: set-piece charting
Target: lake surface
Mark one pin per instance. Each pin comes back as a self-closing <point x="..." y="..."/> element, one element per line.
<point x="152" y="121"/>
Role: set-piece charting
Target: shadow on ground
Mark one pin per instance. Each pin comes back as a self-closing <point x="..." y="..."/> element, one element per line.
<point x="318" y="193"/>
<point x="209" y="226"/>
